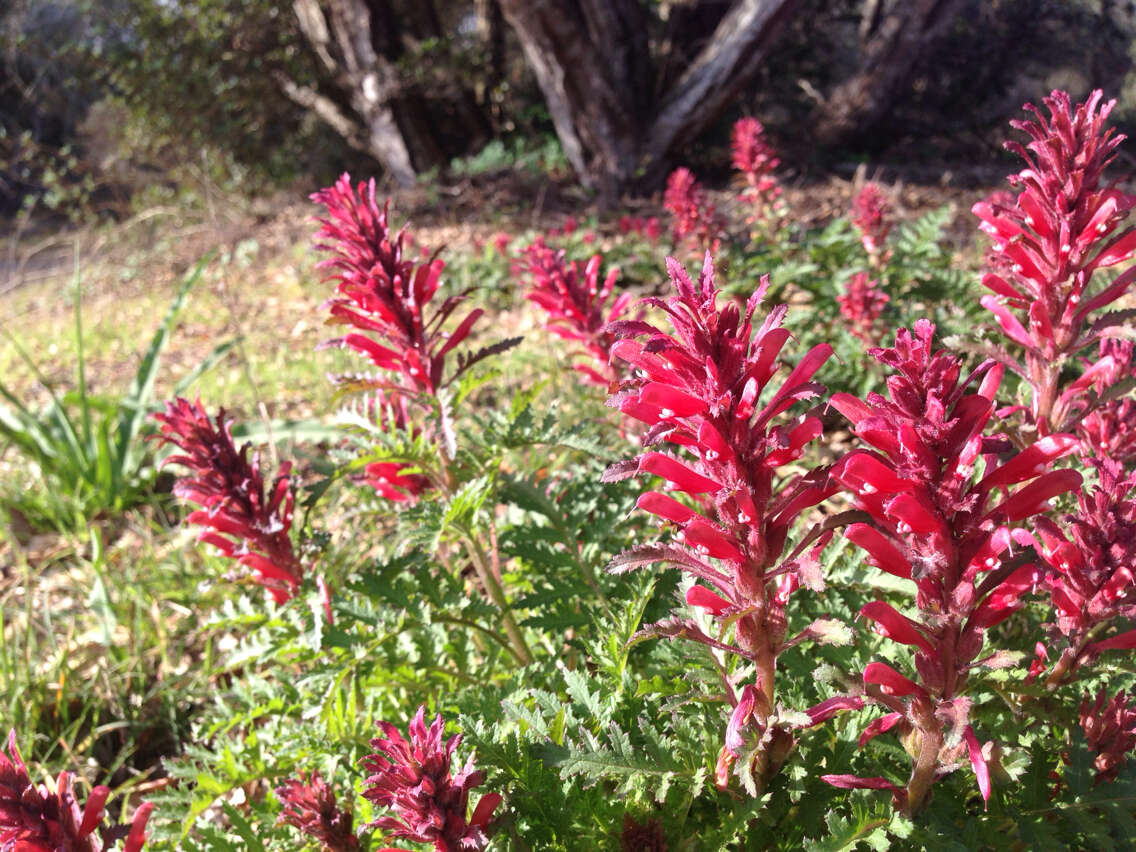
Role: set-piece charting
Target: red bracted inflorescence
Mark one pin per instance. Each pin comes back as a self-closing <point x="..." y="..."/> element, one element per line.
<point x="1091" y="579"/>
<point x="707" y="388"/>
<point x="382" y="293"/>
<point x="1109" y="429"/>
<point x="393" y="480"/>
<point x="861" y="305"/>
<point x="694" y="217"/>
<point x="579" y="307"/>
<point x="648" y="229"/>
<point x="1048" y="244"/>
<point x="32" y="819"/>
<point x="414" y="780"/>
<point x="239" y="518"/>
<point x="871" y="214"/>
<point x="1110" y="728"/>
<point x="309" y="805"/>
<point x="755" y="158"/>
<point x="931" y="520"/>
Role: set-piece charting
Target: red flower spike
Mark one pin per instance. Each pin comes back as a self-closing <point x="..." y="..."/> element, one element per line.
<point x="240" y="518"/>
<point x="1048" y="243"/>
<point x="755" y="158"/>
<point x="1091" y="566"/>
<point x="861" y="304"/>
<point x="697" y="386"/>
<point x="1110" y="728"/>
<point x="934" y="521"/>
<point x="413" y="779"/>
<point x="695" y="218"/>
<point x="579" y="306"/>
<point x="871" y="214"/>
<point x="381" y="292"/>
<point x="309" y="805"/>
<point x="32" y="819"/>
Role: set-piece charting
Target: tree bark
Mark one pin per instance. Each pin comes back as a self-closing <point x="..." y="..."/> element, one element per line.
<point x="895" y="34"/>
<point x="722" y="68"/>
<point x="342" y="39"/>
<point x="592" y="61"/>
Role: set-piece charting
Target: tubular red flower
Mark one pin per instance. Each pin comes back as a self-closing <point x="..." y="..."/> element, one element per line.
<point x="383" y="293"/>
<point x="755" y="158"/>
<point x="871" y="213"/>
<point x="1091" y="580"/>
<point x="309" y="805"/>
<point x="1048" y="243"/>
<point x="935" y="522"/>
<point x="413" y="778"/>
<point x="579" y="307"/>
<point x="861" y="305"/>
<point x="695" y="218"/>
<point x="697" y="387"/>
<point x="239" y="517"/>
<point x="32" y="819"/>
<point x="1110" y="728"/>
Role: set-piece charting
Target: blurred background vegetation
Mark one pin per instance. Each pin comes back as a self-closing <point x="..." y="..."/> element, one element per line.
<point x="110" y="106"/>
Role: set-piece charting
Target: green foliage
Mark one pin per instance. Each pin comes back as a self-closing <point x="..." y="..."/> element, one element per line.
<point x="93" y="451"/>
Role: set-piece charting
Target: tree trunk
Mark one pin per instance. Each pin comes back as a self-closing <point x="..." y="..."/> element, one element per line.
<point x="722" y="68"/>
<point x="340" y="32"/>
<point x="895" y="34"/>
<point x="584" y="89"/>
<point x="592" y="61"/>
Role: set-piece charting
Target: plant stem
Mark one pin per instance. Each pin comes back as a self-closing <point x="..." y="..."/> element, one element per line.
<point x="497" y="594"/>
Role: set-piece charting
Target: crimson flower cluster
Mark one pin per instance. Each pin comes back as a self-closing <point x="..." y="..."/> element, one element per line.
<point x="1109" y="429"/>
<point x="240" y="518"/>
<point x="755" y="158"/>
<point x="931" y="521"/>
<point x="1060" y="230"/>
<point x="413" y="778"/>
<point x="1110" y="729"/>
<point x="32" y="819"/>
<point x="699" y="388"/>
<point x="579" y="307"/>
<point x="861" y="304"/>
<point x="383" y="293"/>
<point x="1091" y="580"/>
<point x="648" y="229"/>
<point x="695" y="218"/>
<point x="309" y="805"/>
<point x="871" y="214"/>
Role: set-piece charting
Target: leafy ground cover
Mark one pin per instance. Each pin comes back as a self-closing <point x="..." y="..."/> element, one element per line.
<point x="434" y="601"/>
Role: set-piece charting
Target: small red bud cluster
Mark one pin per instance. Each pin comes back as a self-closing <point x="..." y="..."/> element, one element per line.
<point x="34" y="819"/>
<point x="695" y="218"/>
<point x="579" y="307"/>
<point x="861" y="304"/>
<point x="932" y="520"/>
<point x="755" y="158"/>
<point x="871" y="214"/>
<point x="239" y="517"/>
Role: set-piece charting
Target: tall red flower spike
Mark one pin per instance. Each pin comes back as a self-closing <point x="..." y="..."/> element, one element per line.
<point x="239" y="518"/>
<point x="1061" y="229"/>
<point x="579" y="307"/>
<point x="707" y="388"/>
<point x="934" y="522"/>
<point x="755" y="158"/>
<point x="382" y="293"/>
<point x="1091" y="580"/>
<point x="871" y="214"/>
<point x="413" y="778"/>
<point x="861" y="305"/>
<point x="309" y="805"/>
<point x="35" y="820"/>
<point x="1110" y="728"/>
<point x="1109" y="429"/>
<point x="695" y="218"/>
